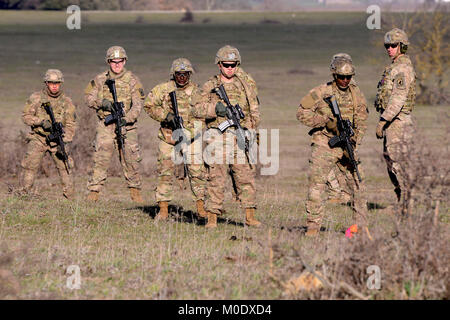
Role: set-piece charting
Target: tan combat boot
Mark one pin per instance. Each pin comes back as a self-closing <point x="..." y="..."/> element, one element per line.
<point x="163" y="211"/>
<point x="212" y="221"/>
<point x="250" y="218"/>
<point x="201" y="209"/>
<point x="93" y="196"/>
<point x="136" y="195"/>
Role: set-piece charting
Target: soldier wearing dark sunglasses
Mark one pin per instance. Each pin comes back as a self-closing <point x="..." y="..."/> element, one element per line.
<point x="395" y="101"/>
<point x="315" y="112"/>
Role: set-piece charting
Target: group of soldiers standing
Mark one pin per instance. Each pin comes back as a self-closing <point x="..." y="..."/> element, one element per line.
<point x="205" y="110"/>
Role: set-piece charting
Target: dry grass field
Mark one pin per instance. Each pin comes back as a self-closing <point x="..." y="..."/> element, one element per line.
<point x="123" y="254"/>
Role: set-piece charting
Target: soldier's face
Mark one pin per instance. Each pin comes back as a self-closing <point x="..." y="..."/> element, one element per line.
<point x="182" y="78"/>
<point x="228" y="68"/>
<point x="393" y="49"/>
<point x="117" y="65"/>
<point x="53" y="87"/>
<point x="343" y="81"/>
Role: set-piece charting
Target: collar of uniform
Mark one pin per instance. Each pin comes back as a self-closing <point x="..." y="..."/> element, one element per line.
<point x="112" y="75"/>
<point x="48" y="93"/>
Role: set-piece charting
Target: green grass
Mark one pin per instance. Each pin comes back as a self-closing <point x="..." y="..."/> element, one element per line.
<point x="121" y="252"/>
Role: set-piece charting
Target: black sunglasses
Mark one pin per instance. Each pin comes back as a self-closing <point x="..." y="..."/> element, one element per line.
<point x="229" y="65"/>
<point x="392" y="45"/>
<point x="342" y="77"/>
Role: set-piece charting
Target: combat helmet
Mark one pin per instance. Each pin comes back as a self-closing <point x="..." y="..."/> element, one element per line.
<point x="342" y="64"/>
<point x="181" y="65"/>
<point x="396" y="35"/>
<point x="53" y="75"/>
<point x="228" y="53"/>
<point x="115" y="52"/>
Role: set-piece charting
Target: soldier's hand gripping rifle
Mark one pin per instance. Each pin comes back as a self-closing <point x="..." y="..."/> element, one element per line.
<point x="234" y="115"/>
<point x="345" y="132"/>
<point x="56" y="135"/>
<point x="179" y="125"/>
<point x="116" y="117"/>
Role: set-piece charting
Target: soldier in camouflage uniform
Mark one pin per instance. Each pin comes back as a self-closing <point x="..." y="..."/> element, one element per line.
<point x="395" y="101"/>
<point x="316" y="113"/>
<point x="158" y="106"/>
<point x="35" y="116"/>
<point x="97" y="96"/>
<point x="241" y="89"/>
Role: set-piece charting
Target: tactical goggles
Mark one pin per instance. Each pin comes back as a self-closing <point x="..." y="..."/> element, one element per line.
<point x="343" y="77"/>
<point x="229" y="65"/>
<point x="116" y="61"/>
<point x="391" y="45"/>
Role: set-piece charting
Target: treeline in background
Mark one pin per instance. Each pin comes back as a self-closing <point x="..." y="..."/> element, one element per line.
<point x="278" y="5"/>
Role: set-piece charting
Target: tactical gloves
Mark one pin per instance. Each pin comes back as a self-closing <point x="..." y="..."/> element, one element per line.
<point x="170" y="119"/>
<point x="221" y="109"/>
<point x="332" y="125"/>
<point x="380" y="128"/>
<point x="46" y="124"/>
<point x="106" y="105"/>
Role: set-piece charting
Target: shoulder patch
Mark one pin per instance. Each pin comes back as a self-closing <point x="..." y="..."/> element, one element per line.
<point x="399" y="81"/>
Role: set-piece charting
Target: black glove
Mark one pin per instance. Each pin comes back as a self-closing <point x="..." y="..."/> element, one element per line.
<point x="221" y="109"/>
<point x="46" y="124"/>
<point x="106" y="105"/>
<point x="170" y="119"/>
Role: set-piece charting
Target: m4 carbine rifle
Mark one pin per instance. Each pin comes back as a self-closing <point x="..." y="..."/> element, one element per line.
<point x="56" y="135"/>
<point x="179" y="125"/>
<point x="345" y="132"/>
<point x="234" y="115"/>
<point x="116" y="116"/>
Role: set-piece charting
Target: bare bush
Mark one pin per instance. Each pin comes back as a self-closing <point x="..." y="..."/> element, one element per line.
<point x="411" y="251"/>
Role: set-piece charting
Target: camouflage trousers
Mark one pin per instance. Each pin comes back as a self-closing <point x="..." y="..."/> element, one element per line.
<point x="37" y="147"/>
<point x="105" y="144"/>
<point x="397" y="153"/>
<point x="337" y="186"/>
<point x="224" y="158"/>
<point x="167" y="170"/>
<point x="324" y="160"/>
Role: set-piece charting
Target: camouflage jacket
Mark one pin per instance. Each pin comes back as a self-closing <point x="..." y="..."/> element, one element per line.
<point x="129" y="91"/>
<point x="397" y="89"/>
<point x="63" y="110"/>
<point x="158" y="105"/>
<point x="315" y="112"/>
<point x="242" y="91"/>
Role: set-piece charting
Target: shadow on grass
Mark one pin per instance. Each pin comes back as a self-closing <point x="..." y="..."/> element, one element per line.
<point x="179" y="214"/>
<point x="375" y="206"/>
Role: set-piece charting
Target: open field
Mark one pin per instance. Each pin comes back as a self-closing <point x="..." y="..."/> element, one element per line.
<point x="122" y="254"/>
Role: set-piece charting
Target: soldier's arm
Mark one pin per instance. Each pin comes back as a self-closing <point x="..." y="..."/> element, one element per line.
<point x="206" y="107"/>
<point x="360" y="117"/>
<point x="70" y="124"/>
<point x="91" y="94"/>
<point x="403" y="78"/>
<point x="137" y="100"/>
<point x="29" y="112"/>
<point x="154" y="104"/>
<point x="308" y="111"/>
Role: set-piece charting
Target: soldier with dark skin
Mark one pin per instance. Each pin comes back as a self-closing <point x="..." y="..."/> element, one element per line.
<point x="35" y="116"/>
<point x="241" y="89"/>
<point x="98" y="97"/>
<point x="394" y="101"/>
<point x="316" y="113"/>
<point x="159" y="107"/>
